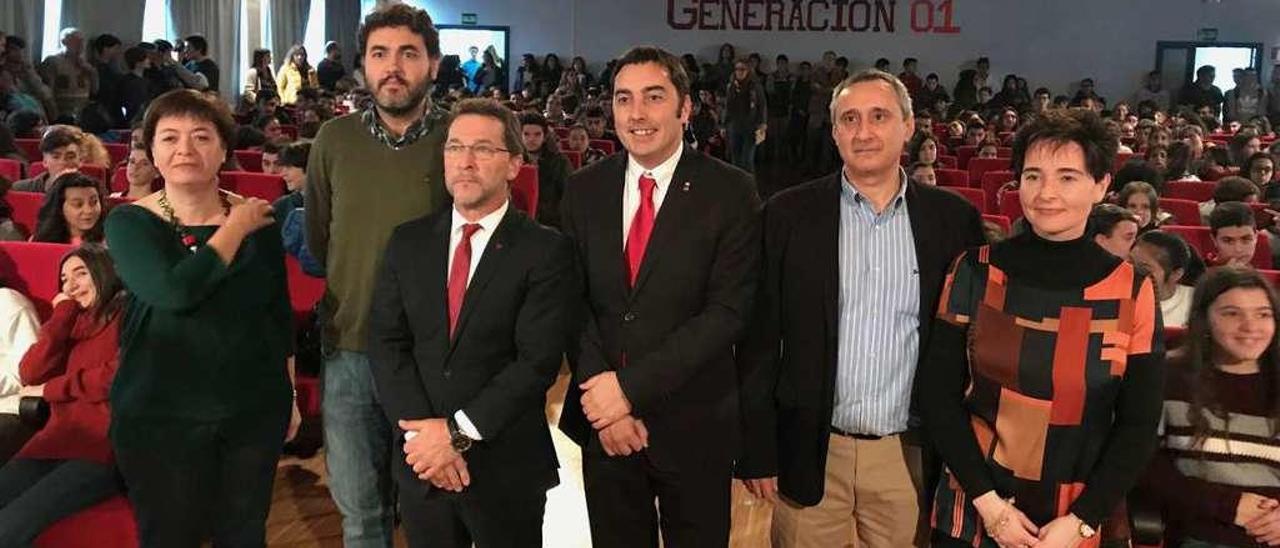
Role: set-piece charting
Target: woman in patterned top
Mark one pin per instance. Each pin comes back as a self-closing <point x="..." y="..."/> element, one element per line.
<point x="1041" y="385"/>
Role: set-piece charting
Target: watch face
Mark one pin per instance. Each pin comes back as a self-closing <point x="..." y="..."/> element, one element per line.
<point x="461" y="443"/>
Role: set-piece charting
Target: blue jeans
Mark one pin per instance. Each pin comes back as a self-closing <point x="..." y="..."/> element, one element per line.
<point x="357" y="441"/>
<point x="742" y="149"/>
<point x="36" y="493"/>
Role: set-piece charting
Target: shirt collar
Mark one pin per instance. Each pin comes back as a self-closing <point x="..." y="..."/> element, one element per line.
<point x="662" y="173"/>
<point x="422" y="126"/>
<point x="851" y="192"/>
<point x="488" y="223"/>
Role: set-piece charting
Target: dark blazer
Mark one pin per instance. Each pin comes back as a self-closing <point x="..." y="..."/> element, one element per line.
<point x="691" y="301"/>
<point x="510" y="339"/>
<point x="788" y="357"/>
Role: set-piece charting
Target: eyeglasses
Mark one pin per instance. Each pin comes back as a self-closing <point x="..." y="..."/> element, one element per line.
<point x="482" y="151"/>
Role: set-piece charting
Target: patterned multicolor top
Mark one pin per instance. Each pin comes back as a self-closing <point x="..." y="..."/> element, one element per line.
<point x="1043" y="382"/>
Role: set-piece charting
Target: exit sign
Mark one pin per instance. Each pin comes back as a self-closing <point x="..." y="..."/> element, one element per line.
<point x="469" y="19"/>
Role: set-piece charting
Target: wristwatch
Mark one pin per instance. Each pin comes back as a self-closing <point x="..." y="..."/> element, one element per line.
<point x="1086" y="531"/>
<point x="460" y="441"/>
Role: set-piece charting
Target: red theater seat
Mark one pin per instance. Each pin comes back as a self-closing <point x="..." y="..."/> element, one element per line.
<point x="1195" y="191"/>
<point x="30" y="148"/>
<point x="108" y="524"/>
<point x="952" y="177"/>
<point x="1185" y="212"/>
<point x="974" y="195"/>
<point x="991" y="183"/>
<point x="32" y="268"/>
<point x="119" y="152"/>
<point x="574" y="157"/>
<point x="979" y="166"/>
<point x="249" y="160"/>
<point x="1011" y="205"/>
<point x="256" y="185"/>
<point x="524" y="190"/>
<point x="26" y="208"/>
<point x="10" y="169"/>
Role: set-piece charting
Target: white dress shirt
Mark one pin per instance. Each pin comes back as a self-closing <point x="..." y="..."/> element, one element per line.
<point x="19" y="327"/>
<point x="661" y="174"/>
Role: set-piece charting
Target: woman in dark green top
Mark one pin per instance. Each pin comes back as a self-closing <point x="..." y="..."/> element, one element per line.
<point x="201" y="401"/>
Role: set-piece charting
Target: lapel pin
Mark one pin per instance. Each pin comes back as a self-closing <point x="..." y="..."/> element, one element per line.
<point x="685" y="188"/>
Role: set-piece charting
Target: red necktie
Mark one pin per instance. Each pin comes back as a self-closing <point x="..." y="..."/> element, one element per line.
<point x="641" y="227"/>
<point x="458" y="275"/>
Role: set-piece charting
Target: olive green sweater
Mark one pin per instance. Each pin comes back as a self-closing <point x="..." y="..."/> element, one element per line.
<point x="358" y="191"/>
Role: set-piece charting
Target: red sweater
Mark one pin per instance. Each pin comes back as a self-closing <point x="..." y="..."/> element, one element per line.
<point x="75" y="357"/>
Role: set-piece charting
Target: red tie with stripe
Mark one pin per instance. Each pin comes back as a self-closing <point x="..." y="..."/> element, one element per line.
<point x="641" y="227"/>
<point x="458" y="275"/>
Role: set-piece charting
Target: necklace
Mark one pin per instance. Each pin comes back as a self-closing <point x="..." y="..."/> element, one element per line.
<point x="184" y="234"/>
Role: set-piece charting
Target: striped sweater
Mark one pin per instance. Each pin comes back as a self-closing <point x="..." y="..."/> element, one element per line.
<point x="1199" y="484"/>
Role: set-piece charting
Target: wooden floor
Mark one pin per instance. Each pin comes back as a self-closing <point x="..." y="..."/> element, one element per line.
<point x="302" y="514"/>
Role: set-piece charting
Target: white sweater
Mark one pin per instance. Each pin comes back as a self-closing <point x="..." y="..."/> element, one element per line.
<point x="19" y="326"/>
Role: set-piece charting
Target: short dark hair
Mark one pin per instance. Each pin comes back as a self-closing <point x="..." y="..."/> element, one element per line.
<point x="295" y="155"/>
<point x="58" y="136"/>
<point x="511" y="133"/>
<point x="401" y="15"/>
<point x="330" y="46"/>
<point x="14" y="42"/>
<point x="133" y="56"/>
<point x="1104" y="219"/>
<point x="1056" y="128"/>
<point x="669" y="62"/>
<point x="882" y="61"/>
<point x="1174" y="254"/>
<point x="272" y="147"/>
<point x="1233" y="189"/>
<point x="908" y="61"/>
<point x="104" y="41"/>
<point x="51" y="224"/>
<point x="191" y="103"/>
<point x="594" y="112"/>
<point x="163" y="45"/>
<point x="198" y="43"/>
<point x="1230" y="214"/>
<point x="983" y="60"/>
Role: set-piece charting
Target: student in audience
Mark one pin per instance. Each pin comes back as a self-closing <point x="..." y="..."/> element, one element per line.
<point x="289" y="209"/>
<point x="579" y="142"/>
<point x="1157" y="158"/>
<point x="553" y="167"/>
<point x="271" y="157"/>
<point x="26" y="124"/>
<point x="198" y="62"/>
<point x="1229" y="189"/>
<point x="69" y="74"/>
<point x="923" y="173"/>
<point x="72" y="211"/>
<point x="988" y="150"/>
<point x="923" y="148"/>
<point x="1202" y="92"/>
<point x="1173" y="268"/>
<point x="19" y="325"/>
<point x="1152" y="90"/>
<point x="745" y="117"/>
<point x="13" y="100"/>
<point x="1235" y="237"/>
<point x="134" y="89"/>
<point x="1260" y="168"/>
<point x="270" y="128"/>
<point x="1214" y="478"/>
<point x="1140" y="198"/>
<point x="259" y="77"/>
<point x="1246" y="100"/>
<point x="1242" y="146"/>
<point x="61" y="152"/>
<point x="330" y="70"/>
<point x="386" y="158"/>
<point x="93" y="153"/>
<point x="1025" y="482"/>
<point x="140" y="173"/>
<point x="295" y="74"/>
<point x="1178" y="163"/>
<point x="177" y="435"/>
<point x="1114" y="228"/>
<point x="67" y="465"/>
<point x="18" y="63"/>
<point x="1214" y="164"/>
<point x="975" y="133"/>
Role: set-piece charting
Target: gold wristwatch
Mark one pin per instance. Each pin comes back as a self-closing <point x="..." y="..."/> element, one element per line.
<point x="1086" y="531"/>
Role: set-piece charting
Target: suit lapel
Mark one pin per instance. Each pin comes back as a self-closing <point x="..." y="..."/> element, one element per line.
<point x="437" y="277"/>
<point x="490" y="263"/>
<point x="614" y="267"/>
<point x="671" y="218"/>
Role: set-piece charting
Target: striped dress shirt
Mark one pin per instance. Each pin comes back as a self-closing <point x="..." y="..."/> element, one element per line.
<point x="879" y="314"/>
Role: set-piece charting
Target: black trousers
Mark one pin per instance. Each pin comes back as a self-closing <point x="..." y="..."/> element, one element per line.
<point x="496" y="518"/>
<point x="189" y="480"/>
<point x="693" y="499"/>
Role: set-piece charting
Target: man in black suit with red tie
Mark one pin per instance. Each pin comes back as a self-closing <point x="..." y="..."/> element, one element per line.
<point x="467" y="330"/>
<point x="667" y="242"/>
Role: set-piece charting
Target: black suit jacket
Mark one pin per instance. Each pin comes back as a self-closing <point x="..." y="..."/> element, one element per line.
<point x="511" y="335"/>
<point x="691" y="301"/>
<point x="788" y="357"/>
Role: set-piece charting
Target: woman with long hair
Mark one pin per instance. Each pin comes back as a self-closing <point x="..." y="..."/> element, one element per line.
<point x="259" y="77"/>
<point x="68" y="464"/>
<point x="923" y="148"/>
<point x="1215" y="474"/>
<point x="72" y="211"/>
<point x="295" y="75"/>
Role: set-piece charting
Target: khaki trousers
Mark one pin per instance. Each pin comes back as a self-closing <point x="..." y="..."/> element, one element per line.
<point x="871" y="499"/>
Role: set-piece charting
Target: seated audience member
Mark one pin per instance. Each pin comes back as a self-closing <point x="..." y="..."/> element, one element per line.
<point x="989" y="150"/>
<point x="1173" y="268"/>
<point x="1214" y="476"/>
<point x="67" y="465"/>
<point x="923" y="173"/>
<point x="26" y="124"/>
<point x="553" y="167"/>
<point x="1178" y="166"/>
<point x="1229" y="189"/>
<point x="270" y="128"/>
<point x="72" y="211"/>
<point x="141" y="174"/>
<point x="93" y="153"/>
<point x="288" y="209"/>
<point x="1260" y="168"/>
<point x="1214" y="164"/>
<point x="1157" y="157"/>
<point x="1114" y="228"/>
<point x="1241" y="147"/>
<point x="923" y="148"/>
<point x="271" y="157"/>
<point x="1141" y="198"/>
<point x="580" y="142"/>
<point x="249" y="138"/>
<point x="598" y="126"/>
<point x="975" y="133"/>
<point x="60" y="150"/>
<point x="19" y="324"/>
<point x="1234" y="237"/>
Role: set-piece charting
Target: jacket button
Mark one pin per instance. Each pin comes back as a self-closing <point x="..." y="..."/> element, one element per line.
<point x="629" y="317"/>
<point x="447" y="373"/>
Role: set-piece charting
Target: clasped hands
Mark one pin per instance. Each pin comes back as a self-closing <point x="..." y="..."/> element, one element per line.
<point x="429" y="450"/>
<point x="609" y="411"/>
<point x="1011" y="528"/>
<point x="1260" y="518"/>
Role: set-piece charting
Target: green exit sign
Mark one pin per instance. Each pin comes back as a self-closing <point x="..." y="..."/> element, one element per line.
<point x="469" y="19"/>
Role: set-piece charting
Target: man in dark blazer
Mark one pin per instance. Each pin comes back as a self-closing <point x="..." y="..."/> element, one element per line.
<point x="668" y="242"/>
<point x="468" y="327"/>
<point x="852" y="268"/>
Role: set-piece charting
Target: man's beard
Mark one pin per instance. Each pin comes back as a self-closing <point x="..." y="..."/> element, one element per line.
<point x="411" y="101"/>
